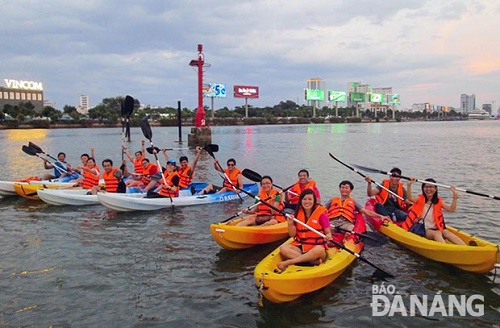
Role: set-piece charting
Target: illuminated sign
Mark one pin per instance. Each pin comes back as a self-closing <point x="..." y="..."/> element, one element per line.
<point x="377" y="97"/>
<point x="394" y="99"/>
<point x="337" y="95"/>
<point x="357" y="96"/>
<point x="315" y="95"/>
<point x="214" y="90"/>
<point x="24" y="85"/>
<point x="243" y="91"/>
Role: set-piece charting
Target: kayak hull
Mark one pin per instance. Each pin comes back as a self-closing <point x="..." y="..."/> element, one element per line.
<point x="232" y="237"/>
<point x="297" y="280"/>
<point x="137" y="202"/>
<point x="478" y="256"/>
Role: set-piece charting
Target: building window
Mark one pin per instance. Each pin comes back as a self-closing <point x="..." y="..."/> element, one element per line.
<point x="18" y="96"/>
<point x="23" y="96"/>
<point x="5" y="95"/>
<point x="39" y="97"/>
<point x="11" y="95"/>
<point x="28" y="96"/>
<point x="1" y="95"/>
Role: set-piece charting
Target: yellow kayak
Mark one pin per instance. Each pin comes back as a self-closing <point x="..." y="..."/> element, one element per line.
<point x="29" y="190"/>
<point x="297" y="280"/>
<point x="233" y="237"/>
<point x="478" y="256"/>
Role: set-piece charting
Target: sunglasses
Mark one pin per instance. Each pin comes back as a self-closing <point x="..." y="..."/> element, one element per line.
<point x="230" y="164"/>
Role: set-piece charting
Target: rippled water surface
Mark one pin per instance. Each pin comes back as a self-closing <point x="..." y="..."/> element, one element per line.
<point x="90" y="266"/>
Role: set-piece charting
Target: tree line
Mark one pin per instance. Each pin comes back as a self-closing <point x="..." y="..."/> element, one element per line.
<point x="109" y="112"/>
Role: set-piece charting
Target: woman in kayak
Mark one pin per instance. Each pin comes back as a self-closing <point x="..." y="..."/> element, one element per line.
<point x="263" y="214"/>
<point x="429" y="207"/>
<point x="308" y="246"/>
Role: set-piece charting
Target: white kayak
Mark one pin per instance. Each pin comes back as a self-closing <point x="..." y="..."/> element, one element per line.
<point x="137" y="202"/>
<point x="67" y="197"/>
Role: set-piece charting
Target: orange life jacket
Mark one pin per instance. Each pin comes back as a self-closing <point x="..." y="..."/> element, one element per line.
<point x="90" y="180"/>
<point x="233" y="177"/>
<point x="138" y="168"/>
<point x="346" y="209"/>
<point x="110" y="181"/>
<point x="264" y="210"/>
<point x="185" y="178"/>
<point x="382" y="196"/>
<point x="305" y="237"/>
<point x="166" y="192"/>
<point x="150" y="170"/>
<point x="297" y="189"/>
<point x="417" y="209"/>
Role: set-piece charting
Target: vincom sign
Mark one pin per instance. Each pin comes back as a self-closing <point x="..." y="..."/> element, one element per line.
<point x="23" y="85"/>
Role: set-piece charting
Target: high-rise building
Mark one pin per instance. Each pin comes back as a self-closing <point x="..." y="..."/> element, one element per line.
<point x="84" y="104"/>
<point x="467" y="103"/>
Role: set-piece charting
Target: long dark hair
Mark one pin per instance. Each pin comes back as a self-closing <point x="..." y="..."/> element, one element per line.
<point x="434" y="199"/>
<point x="302" y="195"/>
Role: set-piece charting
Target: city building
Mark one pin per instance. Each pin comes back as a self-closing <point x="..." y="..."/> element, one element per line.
<point x="467" y="103"/>
<point x="14" y="92"/>
<point x="84" y="106"/>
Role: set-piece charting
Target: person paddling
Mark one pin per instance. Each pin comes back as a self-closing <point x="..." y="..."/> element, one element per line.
<point x="307" y="246"/>
<point x="263" y="214"/>
<point x="342" y="210"/>
<point x="304" y="182"/>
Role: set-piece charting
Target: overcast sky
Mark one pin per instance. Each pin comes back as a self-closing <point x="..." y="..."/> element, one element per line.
<point x="428" y="51"/>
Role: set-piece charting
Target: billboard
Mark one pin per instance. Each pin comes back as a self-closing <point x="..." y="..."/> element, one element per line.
<point x="214" y="90"/>
<point x="377" y="97"/>
<point x="337" y="95"/>
<point x="315" y="95"/>
<point x="394" y="99"/>
<point x="244" y="91"/>
<point x="357" y="97"/>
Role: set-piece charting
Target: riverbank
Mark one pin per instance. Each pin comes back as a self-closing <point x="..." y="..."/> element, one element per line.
<point x="233" y="121"/>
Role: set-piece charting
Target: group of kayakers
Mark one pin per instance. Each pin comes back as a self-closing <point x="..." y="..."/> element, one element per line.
<point x="393" y="201"/>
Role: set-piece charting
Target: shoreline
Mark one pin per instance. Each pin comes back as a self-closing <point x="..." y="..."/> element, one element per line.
<point x="220" y="122"/>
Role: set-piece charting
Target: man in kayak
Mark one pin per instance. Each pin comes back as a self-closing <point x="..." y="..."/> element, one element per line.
<point x="112" y="177"/>
<point x="304" y="182"/>
<point x="261" y="214"/>
<point x="388" y="204"/>
<point x="185" y="171"/>
<point x="232" y="173"/>
<point x="342" y="210"/>
<point x="59" y="167"/>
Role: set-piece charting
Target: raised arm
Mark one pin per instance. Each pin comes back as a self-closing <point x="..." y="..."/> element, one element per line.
<point x="369" y="190"/>
<point x="453" y="206"/>
<point x="408" y="190"/>
<point x="196" y="158"/>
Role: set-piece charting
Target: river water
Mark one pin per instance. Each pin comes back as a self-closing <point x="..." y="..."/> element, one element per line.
<point x="92" y="267"/>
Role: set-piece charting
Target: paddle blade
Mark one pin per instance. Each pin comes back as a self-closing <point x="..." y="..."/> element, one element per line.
<point x="128" y="106"/>
<point x="122" y="109"/>
<point x="150" y="150"/>
<point x="146" y="129"/>
<point x="381" y="275"/>
<point x="213" y="148"/>
<point x="28" y="150"/>
<point x="251" y="175"/>
<point x="35" y="148"/>
<point x="210" y="151"/>
<point x="368" y="169"/>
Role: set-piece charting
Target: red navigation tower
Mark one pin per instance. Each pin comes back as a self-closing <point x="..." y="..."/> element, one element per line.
<point x="199" y="118"/>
